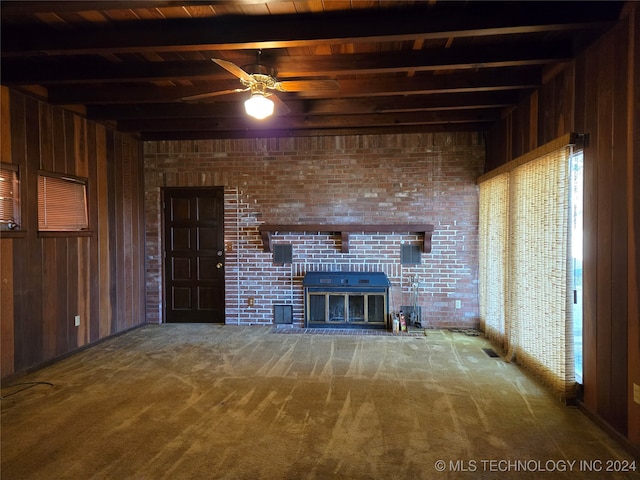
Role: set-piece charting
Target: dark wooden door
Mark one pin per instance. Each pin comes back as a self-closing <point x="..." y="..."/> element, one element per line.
<point x="194" y="254"/>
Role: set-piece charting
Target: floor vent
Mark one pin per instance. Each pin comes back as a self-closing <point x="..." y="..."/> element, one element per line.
<point x="282" y="314"/>
<point x="491" y="352"/>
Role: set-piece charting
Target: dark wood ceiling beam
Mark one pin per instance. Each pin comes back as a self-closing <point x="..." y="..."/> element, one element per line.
<point x="420" y="84"/>
<point x="312" y="121"/>
<point x="69" y="70"/>
<point x="21" y="71"/>
<point x="486" y="80"/>
<point x="300" y="30"/>
<point x="337" y="106"/>
<point x="317" y="132"/>
<point x="422" y="60"/>
<point x="32" y="7"/>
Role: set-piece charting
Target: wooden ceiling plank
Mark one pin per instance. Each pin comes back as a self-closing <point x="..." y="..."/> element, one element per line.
<point x="389" y="58"/>
<point x="148" y="14"/>
<point x="295" y="122"/>
<point x="63" y="6"/>
<point x="281" y="8"/>
<point x="254" y="9"/>
<point x="281" y="31"/>
<point x="52" y="19"/>
<point x="316" y="6"/>
<point x="175" y="12"/>
<point x="323" y="49"/>
<point x="122" y="15"/>
<point x="417" y="45"/>
<point x="333" y="5"/>
<point x="421" y="60"/>
<point x="459" y="82"/>
<point x="233" y="107"/>
<point x="196" y="11"/>
<point x="94" y="16"/>
<point x="311" y="132"/>
<point x="17" y="71"/>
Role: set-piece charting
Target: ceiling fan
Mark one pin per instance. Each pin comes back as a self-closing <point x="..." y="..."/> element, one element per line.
<point x="260" y="82"/>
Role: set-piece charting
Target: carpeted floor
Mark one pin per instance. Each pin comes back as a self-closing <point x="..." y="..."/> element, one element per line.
<point x="224" y="402"/>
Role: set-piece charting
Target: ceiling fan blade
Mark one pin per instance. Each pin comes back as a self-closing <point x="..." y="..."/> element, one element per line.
<point x="234" y="69"/>
<point x="307" y="85"/>
<point x="202" y="96"/>
<point x="281" y="108"/>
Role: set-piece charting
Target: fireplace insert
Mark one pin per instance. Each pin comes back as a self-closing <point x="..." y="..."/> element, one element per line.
<point x="346" y="299"/>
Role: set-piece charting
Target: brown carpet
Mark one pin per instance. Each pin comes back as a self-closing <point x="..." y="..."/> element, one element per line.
<point x="224" y="402"/>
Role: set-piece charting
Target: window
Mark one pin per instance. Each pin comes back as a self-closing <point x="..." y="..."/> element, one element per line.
<point x="62" y="203"/>
<point x="526" y="293"/>
<point x="9" y="196"/>
<point x="576" y="231"/>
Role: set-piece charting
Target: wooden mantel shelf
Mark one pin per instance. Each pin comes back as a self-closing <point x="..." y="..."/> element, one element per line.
<point x="426" y="230"/>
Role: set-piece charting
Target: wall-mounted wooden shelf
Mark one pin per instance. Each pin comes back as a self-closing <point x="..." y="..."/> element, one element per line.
<point x="426" y="230"/>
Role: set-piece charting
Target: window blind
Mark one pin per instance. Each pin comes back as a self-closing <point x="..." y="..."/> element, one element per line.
<point x="538" y="292"/>
<point x="494" y="242"/>
<point x="62" y="204"/>
<point x="8" y="196"/>
<point x="524" y="288"/>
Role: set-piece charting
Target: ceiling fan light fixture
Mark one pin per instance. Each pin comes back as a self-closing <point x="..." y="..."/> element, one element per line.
<point x="259" y="106"/>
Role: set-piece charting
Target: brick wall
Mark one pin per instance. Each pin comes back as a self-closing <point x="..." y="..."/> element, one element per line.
<point x="412" y="178"/>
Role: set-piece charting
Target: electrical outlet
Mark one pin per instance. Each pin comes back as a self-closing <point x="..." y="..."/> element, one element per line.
<point x="250" y="301"/>
<point x="636" y="393"/>
<point x="77" y="320"/>
<point x="458" y="304"/>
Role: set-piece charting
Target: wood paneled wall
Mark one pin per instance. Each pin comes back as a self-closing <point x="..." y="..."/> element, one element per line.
<point x="598" y="94"/>
<point x="47" y="280"/>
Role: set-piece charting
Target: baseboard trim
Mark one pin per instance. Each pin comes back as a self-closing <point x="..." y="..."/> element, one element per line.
<point x="11" y="378"/>
<point x="612" y="432"/>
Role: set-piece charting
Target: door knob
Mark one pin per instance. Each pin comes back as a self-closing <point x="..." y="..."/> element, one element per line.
<point x="219" y="265"/>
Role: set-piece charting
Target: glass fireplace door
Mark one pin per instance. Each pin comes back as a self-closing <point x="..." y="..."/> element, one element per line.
<point x="317" y="308"/>
<point x="337" y="308"/>
<point x="342" y="309"/>
<point x="376" y="309"/>
<point x="357" y="312"/>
